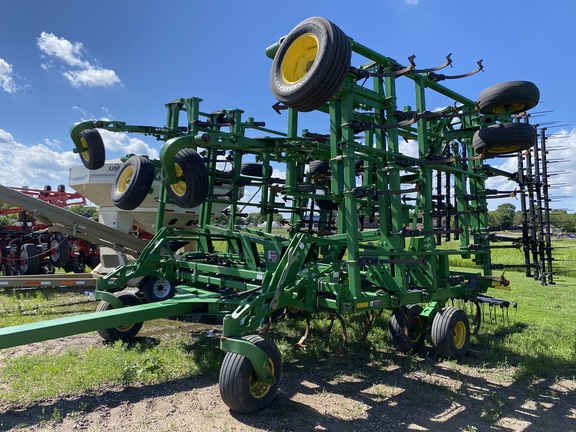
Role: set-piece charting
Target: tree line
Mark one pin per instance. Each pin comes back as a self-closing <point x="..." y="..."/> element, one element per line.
<point x="507" y="217"/>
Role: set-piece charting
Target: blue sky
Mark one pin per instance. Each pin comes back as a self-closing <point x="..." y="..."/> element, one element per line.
<point x="66" y="61"/>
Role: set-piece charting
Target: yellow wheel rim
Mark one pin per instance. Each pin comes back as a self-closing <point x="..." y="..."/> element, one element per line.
<point x="299" y="58"/>
<point x="85" y="154"/>
<point x="460" y="335"/>
<point x="502" y="109"/>
<point x="259" y="389"/>
<point x="179" y="188"/>
<point x="416" y="329"/>
<point x="124" y="328"/>
<point x="504" y="149"/>
<point x="124" y="179"/>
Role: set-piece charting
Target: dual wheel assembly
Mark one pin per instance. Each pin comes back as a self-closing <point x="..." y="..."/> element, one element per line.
<point x="134" y="180"/>
<point x="509" y="98"/>
<point x="450" y="331"/>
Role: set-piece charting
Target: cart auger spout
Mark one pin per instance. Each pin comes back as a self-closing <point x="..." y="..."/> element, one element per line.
<point x="364" y="214"/>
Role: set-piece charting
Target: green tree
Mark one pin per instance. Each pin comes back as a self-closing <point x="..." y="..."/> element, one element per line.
<point x="503" y="216"/>
<point x="89" y="212"/>
<point x="562" y="220"/>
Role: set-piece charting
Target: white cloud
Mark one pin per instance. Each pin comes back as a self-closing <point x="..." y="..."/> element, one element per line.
<point x="34" y="166"/>
<point x="92" y="77"/>
<point x="412" y="2"/>
<point x="123" y="144"/>
<point x="78" y="72"/>
<point x="7" y="81"/>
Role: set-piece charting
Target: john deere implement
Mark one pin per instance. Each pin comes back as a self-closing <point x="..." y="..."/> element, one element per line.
<point x="365" y="199"/>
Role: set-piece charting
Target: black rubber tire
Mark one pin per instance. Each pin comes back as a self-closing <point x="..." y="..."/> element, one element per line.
<point x="451" y="332"/>
<point x="239" y="383"/>
<point x="192" y="190"/>
<point x="94" y="156"/>
<point x="321" y="76"/>
<point x="6" y="269"/>
<point x="133" y="182"/>
<point x="319" y="167"/>
<point x="504" y="138"/>
<point x="509" y="97"/>
<point x="46" y="191"/>
<point x="126" y="332"/>
<point x="60" y="248"/>
<point x="61" y="188"/>
<point x="415" y="339"/>
<point x="29" y="254"/>
<point x="252" y="169"/>
<point x="155" y="289"/>
<point x="326" y="204"/>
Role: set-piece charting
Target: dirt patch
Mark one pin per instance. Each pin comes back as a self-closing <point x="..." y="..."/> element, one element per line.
<point x="332" y="395"/>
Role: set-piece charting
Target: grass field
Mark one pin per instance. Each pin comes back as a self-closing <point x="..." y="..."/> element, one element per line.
<point x="537" y="340"/>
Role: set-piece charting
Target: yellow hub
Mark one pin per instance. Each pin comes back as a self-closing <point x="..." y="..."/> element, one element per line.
<point x="124" y="179"/>
<point x="124" y="328"/>
<point x="179" y="188"/>
<point x="459" y="335"/>
<point x="85" y="154"/>
<point x="259" y="389"/>
<point x="416" y="329"/>
<point x="503" y="109"/>
<point x="504" y="149"/>
<point x="299" y="58"/>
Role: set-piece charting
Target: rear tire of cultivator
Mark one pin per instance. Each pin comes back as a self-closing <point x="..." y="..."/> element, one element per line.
<point x="155" y="289"/>
<point x="319" y="167"/>
<point x="239" y="385"/>
<point x="509" y="97"/>
<point x="133" y="182"/>
<point x="94" y="156"/>
<point x="30" y="259"/>
<point x="125" y="332"/>
<point x="504" y="138"/>
<point x="252" y="169"/>
<point x="414" y="340"/>
<point x="60" y="249"/>
<point x="192" y="189"/>
<point x="326" y="204"/>
<point x="451" y="332"/>
<point x="310" y="65"/>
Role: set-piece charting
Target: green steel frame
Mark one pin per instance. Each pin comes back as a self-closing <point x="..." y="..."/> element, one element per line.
<point x="330" y="261"/>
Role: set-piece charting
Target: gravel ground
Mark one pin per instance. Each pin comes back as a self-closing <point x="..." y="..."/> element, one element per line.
<point x="329" y="396"/>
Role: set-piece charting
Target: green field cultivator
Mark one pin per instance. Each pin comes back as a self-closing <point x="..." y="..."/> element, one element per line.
<point x="365" y="200"/>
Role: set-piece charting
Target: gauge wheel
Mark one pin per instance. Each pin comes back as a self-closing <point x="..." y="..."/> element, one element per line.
<point x="156" y="289"/>
<point x="125" y="332"/>
<point x="239" y="385"/>
<point x="133" y="182"/>
<point x="504" y="138"/>
<point x="94" y="155"/>
<point x="509" y="97"/>
<point x="451" y="332"/>
<point x="413" y="338"/>
<point x="310" y="64"/>
<point x="60" y="248"/>
<point x="29" y="259"/>
<point x="192" y="188"/>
